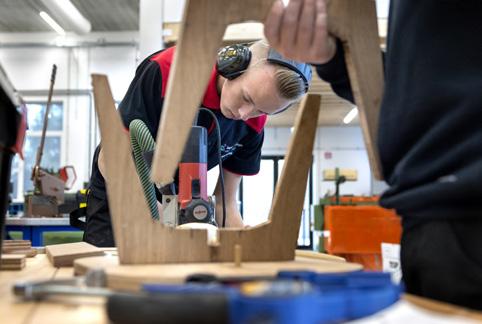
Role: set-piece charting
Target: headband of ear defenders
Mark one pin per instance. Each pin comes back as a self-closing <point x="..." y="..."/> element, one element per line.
<point x="303" y="69"/>
<point x="233" y="60"/>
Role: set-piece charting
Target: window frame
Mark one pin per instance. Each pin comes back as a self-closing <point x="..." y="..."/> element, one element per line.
<point x="19" y="196"/>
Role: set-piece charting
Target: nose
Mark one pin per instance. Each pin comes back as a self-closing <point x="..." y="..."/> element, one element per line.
<point x="244" y="112"/>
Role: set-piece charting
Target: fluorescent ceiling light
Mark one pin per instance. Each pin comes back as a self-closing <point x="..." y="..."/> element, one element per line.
<point x="351" y="115"/>
<point x="52" y="23"/>
<point x="67" y="15"/>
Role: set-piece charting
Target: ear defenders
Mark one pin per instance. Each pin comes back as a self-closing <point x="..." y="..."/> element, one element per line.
<point x="233" y="60"/>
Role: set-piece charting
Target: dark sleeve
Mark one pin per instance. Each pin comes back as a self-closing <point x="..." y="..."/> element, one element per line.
<point x="246" y="159"/>
<point x="336" y="73"/>
<point x="143" y="98"/>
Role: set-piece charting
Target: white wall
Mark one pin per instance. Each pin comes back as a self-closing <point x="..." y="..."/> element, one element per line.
<point x="347" y="151"/>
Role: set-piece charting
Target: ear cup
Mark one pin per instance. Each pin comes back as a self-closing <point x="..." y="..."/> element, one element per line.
<point x="233" y="60"/>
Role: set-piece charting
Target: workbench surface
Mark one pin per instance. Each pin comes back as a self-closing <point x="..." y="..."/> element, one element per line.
<point x="91" y="310"/>
<point x="59" y="310"/>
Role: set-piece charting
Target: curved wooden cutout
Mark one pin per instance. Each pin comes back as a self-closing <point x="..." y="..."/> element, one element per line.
<point x="353" y="21"/>
<point x="141" y="240"/>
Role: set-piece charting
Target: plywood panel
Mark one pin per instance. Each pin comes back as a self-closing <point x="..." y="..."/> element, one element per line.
<point x="63" y="255"/>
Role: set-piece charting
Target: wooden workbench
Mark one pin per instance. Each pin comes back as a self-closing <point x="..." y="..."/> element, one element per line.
<point x="91" y="310"/>
<point x="60" y="310"/>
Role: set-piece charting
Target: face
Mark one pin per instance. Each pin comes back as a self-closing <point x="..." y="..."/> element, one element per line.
<point x="252" y="94"/>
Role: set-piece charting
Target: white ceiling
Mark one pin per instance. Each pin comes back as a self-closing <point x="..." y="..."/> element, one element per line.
<point x="104" y="15"/>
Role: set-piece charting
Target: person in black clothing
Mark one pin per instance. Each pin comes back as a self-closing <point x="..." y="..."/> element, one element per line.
<point x="240" y="102"/>
<point x="430" y="130"/>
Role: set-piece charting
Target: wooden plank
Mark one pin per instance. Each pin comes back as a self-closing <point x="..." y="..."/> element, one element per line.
<point x="355" y="23"/>
<point x="289" y="197"/>
<point x="318" y="255"/>
<point x="63" y="255"/>
<point x="19" y="247"/>
<point x="12" y="262"/>
<point x="130" y="277"/>
<point x="16" y="242"/>
<point x="30" y="253"/>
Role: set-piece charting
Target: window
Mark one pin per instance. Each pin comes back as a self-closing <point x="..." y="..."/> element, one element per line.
<point x="51" y="158"/>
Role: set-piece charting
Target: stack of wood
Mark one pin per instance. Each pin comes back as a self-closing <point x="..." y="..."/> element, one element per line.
<point x="12" y="262"/>
<point x="18" y="247"/>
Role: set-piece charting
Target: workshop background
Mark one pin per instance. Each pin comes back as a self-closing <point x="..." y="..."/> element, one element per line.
<point x="112" y="37"/>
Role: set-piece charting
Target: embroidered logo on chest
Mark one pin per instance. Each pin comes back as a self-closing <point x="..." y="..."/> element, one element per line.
<point x="228" y="150"/>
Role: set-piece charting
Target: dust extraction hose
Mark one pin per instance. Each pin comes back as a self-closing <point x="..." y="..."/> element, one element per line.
<point x="142" y="141"/>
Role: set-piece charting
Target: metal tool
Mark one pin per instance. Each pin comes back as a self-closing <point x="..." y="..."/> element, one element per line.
<point x="93" y="284"/>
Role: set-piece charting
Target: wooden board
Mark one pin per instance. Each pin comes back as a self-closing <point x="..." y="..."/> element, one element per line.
<point x="9" y="245"/>
<point x="318" y="256"/>
<point x="355" y="23"/>
<point x="131" y="277"/>
<point x="63" y="255"/>
<point x="141" y="240"/>
<point x="12" y="262"/>
<point x="19" y="247"/>
<point x="30" y="253"/>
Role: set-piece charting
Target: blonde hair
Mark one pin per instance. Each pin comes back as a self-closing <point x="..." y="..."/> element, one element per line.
<point x="290" y="85"/>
